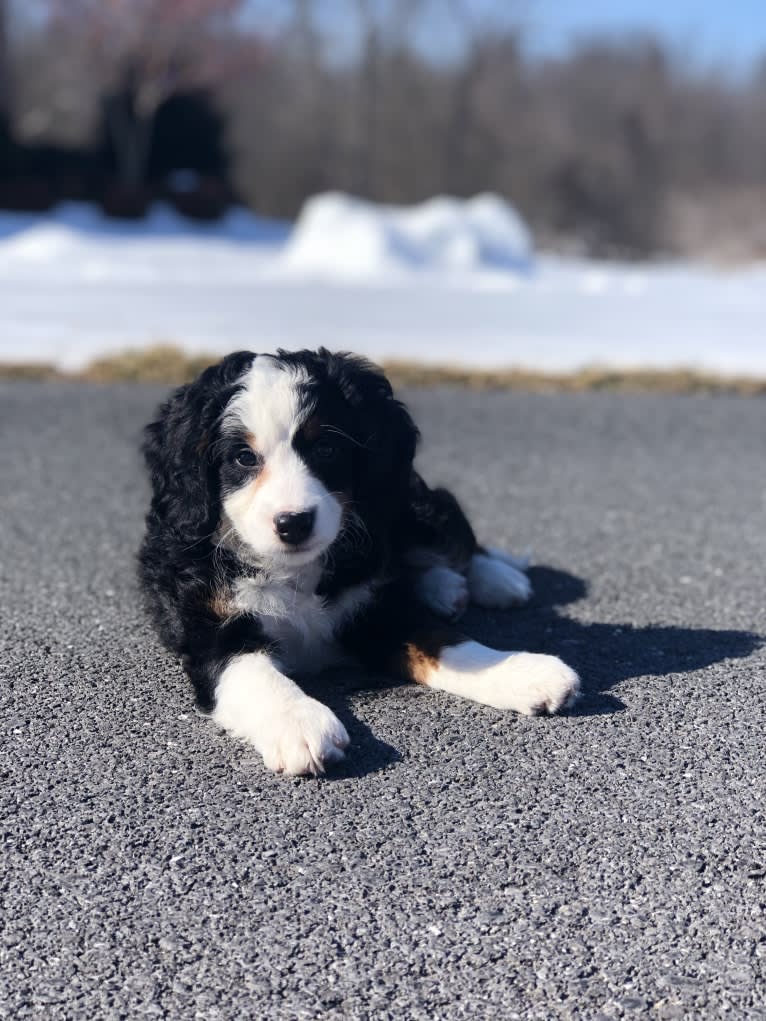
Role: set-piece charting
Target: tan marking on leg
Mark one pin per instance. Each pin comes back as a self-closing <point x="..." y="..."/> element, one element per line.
<point x="418" y="664"/>
<point x="220" y="604"/>
<point x="420" y="657"/>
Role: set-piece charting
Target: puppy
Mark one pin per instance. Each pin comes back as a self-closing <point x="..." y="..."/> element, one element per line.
<point x="288" y="531"/>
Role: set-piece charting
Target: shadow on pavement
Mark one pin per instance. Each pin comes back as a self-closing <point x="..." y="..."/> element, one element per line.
<point x="603" y="654"/>
<point x="334" y="687"/>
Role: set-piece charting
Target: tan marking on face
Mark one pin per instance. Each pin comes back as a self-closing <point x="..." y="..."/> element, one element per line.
<point x="257" y="482"/>
<point x="262" y="475"/>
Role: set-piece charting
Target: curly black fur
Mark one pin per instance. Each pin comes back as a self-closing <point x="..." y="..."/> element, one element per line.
<point x="181" y="566"/>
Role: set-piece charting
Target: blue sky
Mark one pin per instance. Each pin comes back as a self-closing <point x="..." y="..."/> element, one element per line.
<point x="729" y="32"/>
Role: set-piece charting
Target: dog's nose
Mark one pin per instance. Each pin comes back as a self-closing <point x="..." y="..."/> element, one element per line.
<point x="294" y="528"/>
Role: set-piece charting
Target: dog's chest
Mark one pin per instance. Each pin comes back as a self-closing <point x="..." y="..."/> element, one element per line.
<point x="302" y="623"/>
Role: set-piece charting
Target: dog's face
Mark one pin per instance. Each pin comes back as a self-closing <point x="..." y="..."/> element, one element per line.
<point x="286" y="471"/>
<point x="280" y="454"/>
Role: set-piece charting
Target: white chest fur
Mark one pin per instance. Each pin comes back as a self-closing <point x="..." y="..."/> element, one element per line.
<point x="302" y="623"/>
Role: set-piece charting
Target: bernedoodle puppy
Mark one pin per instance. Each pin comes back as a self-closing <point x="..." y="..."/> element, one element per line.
<point x="289" y="531"/>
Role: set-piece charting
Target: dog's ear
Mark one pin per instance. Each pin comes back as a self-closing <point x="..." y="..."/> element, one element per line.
<point x="179" y="449"/>
<point x="385" y="433"/>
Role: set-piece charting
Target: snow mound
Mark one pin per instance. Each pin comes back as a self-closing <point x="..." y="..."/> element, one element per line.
<point x="340" y="236"/>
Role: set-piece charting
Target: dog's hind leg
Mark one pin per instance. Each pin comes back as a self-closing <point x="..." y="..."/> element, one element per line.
<point x="444" y="545"/>
<point x="520" y="563"/>
<point x="525" y="682"/>
<point x="497" y="580"/>
<point x="442" y="590"/>
<point x="400" y="636"/>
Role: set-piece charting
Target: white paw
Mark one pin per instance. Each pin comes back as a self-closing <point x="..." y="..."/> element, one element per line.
<point x="294" y="733"/>
<point x="537" y="685"/>
<point x="526" y="682"/>
<point x="497" y="584"/>
<point x="520" y="563"/>
<point x="303" y="739"/>
<point x="444" y="591"/>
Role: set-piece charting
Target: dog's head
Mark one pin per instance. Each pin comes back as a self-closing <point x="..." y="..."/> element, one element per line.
<point x="281" y="453"/>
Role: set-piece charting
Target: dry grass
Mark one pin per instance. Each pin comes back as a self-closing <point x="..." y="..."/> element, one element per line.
<point x="29" y="372"/>
<point x="170" y="365"/>
<point x="162" y="363"/>
<point x="670" y="381"/>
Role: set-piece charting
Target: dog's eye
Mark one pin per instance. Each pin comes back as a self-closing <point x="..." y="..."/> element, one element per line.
<point x="325" y="450"/>
<point x="247" y="458"/>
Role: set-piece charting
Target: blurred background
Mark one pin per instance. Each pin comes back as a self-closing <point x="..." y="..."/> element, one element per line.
<point x="618" y="150"/>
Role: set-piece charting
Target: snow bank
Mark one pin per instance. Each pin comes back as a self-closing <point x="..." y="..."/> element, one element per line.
<point x="72" y="220"/>
<point x="75" y="243"/>
<point x="429" y="284"/>
<point x="344" y="237"/>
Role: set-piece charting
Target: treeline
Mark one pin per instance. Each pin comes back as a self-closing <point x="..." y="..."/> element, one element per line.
<point x="619" y="147"/>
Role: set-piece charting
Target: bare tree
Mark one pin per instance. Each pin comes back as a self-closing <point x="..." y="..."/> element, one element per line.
<point x="142" y="52"/>
<point x="5" y="62"/>
<point x="624" y="145"/>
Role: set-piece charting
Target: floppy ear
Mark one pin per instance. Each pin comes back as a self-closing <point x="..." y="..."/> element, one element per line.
<point x="386" y="434"/>
<point x="179" y="449"/>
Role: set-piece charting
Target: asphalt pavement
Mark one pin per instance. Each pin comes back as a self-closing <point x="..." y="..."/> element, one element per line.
<point x="463" y="863"/>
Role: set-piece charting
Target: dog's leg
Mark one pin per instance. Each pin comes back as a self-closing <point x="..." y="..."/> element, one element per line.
<point x="497" y="580"/>
<point x="440" y="528"/>
<point x="295" y="734"/>
<point x="520" y="563"/>
<point x="528" y="683"/>
<point x="398" y="634"/>
<point x="442" y="590"/>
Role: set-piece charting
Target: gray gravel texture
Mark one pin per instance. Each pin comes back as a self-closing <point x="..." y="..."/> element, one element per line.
<point x="463" y="863"/>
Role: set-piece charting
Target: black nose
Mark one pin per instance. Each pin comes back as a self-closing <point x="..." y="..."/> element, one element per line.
<point x="295" y="528"/>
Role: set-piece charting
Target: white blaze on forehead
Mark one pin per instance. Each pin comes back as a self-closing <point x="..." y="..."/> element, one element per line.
<point x="269" y="406"/>
<point x="272" y="407"/>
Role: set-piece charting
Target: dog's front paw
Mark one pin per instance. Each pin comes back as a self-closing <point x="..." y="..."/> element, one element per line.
<point x="303" y="738"/>
<point x="444" y="591"/>
<point x="295" y="734"/>
<point x="497" y="584"/>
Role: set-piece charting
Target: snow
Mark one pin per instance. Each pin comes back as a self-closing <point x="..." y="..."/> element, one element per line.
<point x="373" y="241"/>
<point x="442" y="283"/>
<point x="82" y="220"/>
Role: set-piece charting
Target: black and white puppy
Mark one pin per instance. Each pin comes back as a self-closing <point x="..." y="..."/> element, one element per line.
<point x="288" y="531"/>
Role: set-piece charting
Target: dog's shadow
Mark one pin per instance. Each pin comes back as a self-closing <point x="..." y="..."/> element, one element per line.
<point x="336" y="687"/>
<point x="603" y="655"/>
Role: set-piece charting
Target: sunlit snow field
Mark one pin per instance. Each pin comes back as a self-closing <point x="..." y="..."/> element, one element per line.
<point x="446" y="282"/>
